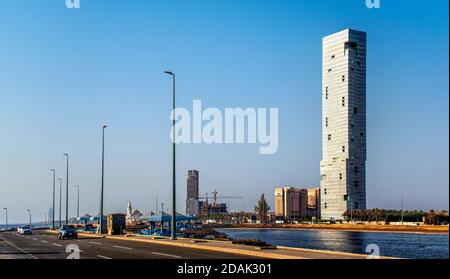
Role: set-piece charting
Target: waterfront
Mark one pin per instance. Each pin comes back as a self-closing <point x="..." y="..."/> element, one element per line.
<point x="401" y="245"/>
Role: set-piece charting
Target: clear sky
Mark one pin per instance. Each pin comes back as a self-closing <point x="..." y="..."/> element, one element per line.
<point x="64" y="73"/>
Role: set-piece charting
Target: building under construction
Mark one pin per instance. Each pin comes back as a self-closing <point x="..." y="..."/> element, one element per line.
<point x="210" y="208"/>
<point x="218" y="208"/>
<point x="203" y="206"/>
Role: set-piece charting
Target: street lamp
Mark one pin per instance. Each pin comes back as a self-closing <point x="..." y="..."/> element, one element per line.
<point x="402" y="210"/>
<point x="78" y="202"/>
<point x="60" y="200"/>
<point x="53" y="206"/>
<point x="29" y="215"/>
<point x="173" y="223"/>
<point x="6" y="217"/>
<point x="103" y="179"/>
<point x="67" y="187"/>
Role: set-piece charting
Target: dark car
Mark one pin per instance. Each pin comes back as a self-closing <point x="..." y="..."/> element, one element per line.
<point x="68" y="231"/>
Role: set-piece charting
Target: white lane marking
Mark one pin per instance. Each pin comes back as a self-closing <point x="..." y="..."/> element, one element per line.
<point x="44" y="241"/>
<point x="122" y="247"/>
<point x="167" y="255"/>
<point x="56" y="244"/>
<point x="96" y="243"/>
<point x="20" y="249"/>
<point x="34" y="238"/>
<point x="104" y="257"/>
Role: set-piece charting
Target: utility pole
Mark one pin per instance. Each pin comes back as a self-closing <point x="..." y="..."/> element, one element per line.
<point x="174" y="212"/>
<point x="78" y="202"/>
<point x="60" y="200"/>
<point x="53" y="206"/>
<point x="67" y="188"/>
<point x="103" y="179"/>
<point x="402" y="210"/>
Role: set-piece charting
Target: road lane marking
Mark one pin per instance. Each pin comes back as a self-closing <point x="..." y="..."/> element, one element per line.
<point x="20" y="249"/>
<point x="167" y="255"/>
<point x="104" y="257"/>
<point x="122" y="247"/>
<point x="44" y="241"/>
<point x="34" y="238"/>
<point x="96" y="243"/>
<point x="56" y="244"/>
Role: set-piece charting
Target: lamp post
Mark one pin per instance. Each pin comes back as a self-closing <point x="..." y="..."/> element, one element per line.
<point x="29" y="215"/>
<point x="173" y="223"/>
<point x="60" y="201"/>
<point x="78" y="202"/>
<point x="53" y="206"/>
<point x="103" y="179"/>
<point x="6" y="217"/>
<point x="402" y="210"/>
<point x="67" y="187"/>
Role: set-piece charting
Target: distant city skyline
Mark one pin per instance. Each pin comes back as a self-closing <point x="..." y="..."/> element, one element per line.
<point x="66" y="72"/>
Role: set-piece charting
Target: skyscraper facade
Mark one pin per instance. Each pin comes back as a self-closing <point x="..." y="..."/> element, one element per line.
<point x="192" y="202"/>
<point x="342" y="169"/>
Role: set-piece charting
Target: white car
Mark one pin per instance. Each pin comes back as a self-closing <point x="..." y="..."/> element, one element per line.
<point x="25" y="230"/>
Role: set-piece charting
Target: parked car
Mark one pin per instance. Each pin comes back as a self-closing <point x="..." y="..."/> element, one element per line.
<point x="25" y="230"/>
<point x="68" y="231"/>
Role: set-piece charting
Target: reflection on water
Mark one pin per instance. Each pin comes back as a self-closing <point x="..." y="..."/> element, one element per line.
<point x="402" y="245"/>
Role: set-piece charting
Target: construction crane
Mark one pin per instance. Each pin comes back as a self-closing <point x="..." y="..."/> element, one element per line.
<point x="215" y="197"/>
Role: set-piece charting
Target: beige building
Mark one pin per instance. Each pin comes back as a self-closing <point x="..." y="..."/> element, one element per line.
<point x="291" y="203"/>
<point x="342" y="168"/>
<point x="314" y="203"/>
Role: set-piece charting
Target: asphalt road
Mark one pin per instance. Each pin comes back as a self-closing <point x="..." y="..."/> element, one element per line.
<point x="44" y="245"/>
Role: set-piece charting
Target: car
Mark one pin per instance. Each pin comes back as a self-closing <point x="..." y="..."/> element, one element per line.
<point x="68" y="231"/>
<point x="25" y="230"/>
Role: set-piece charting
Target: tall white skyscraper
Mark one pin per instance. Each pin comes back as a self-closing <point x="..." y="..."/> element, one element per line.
<point x="343" y="169"/>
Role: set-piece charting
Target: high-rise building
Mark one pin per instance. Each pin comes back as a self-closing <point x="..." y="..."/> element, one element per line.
<point x="314" y="203"/>
<point x="342" y="169"/>
<point x="192" y="203"/>
<point x="279" y="202"/>
<point x="291" y="203"/>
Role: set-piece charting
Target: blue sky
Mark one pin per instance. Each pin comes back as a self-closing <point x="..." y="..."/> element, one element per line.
<point x="63" y="73"/>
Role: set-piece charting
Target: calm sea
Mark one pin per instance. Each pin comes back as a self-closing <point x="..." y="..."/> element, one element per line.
<point x="401" y="245"/>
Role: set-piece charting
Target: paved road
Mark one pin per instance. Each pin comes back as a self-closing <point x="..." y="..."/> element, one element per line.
<point x="44" y="245"/>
